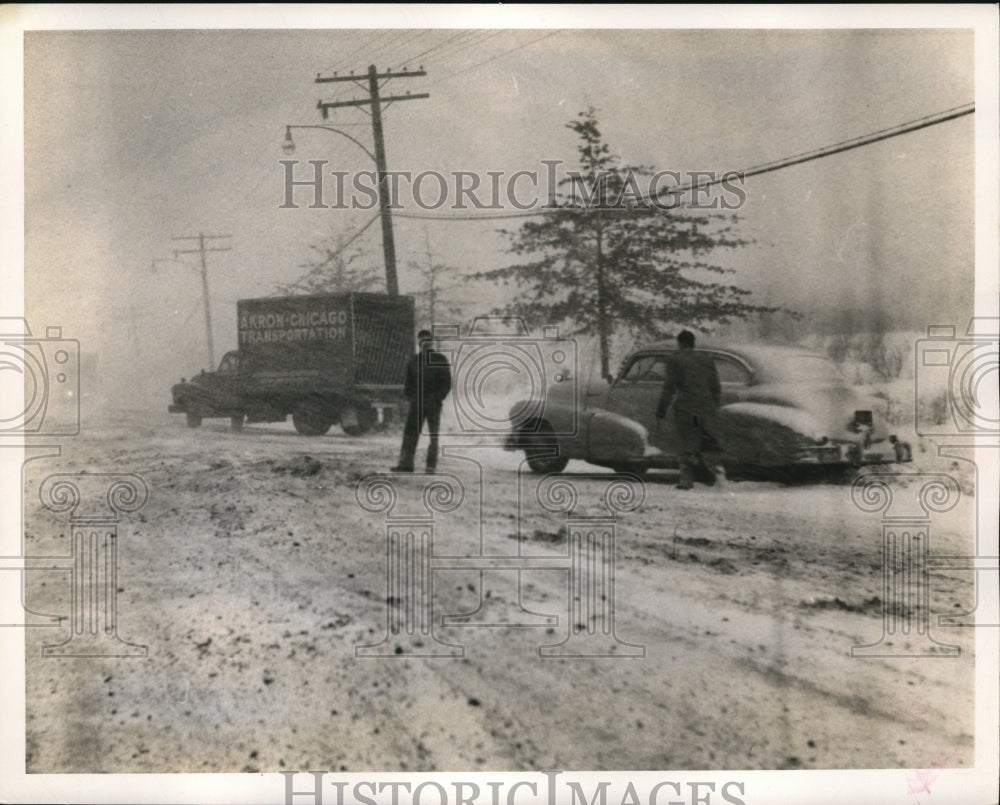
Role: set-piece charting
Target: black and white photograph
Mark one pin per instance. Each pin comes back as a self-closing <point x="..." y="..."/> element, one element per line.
<point x="500" y="404"/>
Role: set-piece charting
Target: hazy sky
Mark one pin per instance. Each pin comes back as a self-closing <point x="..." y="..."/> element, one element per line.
<point x="135" y="137"/>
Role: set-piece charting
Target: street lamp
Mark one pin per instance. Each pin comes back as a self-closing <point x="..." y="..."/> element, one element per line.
<point x="388" y="244"/>
<point x="288" y="146"/>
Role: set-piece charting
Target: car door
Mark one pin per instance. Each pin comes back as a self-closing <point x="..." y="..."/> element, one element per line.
<point x="636" y="393"/>
<point x="734" y="376"/>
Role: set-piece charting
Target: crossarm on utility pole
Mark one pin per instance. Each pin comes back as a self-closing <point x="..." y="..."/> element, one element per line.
<point x="375" y="103"/>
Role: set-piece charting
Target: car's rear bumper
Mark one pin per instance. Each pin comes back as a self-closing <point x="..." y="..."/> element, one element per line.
<point x="890" y="451"/>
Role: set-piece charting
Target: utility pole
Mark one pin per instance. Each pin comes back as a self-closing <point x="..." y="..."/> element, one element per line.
<point x="375" y="102"/>
<point x="201" y="238"/>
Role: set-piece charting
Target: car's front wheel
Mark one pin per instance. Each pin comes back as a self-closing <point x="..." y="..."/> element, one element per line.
<point x="542" y="451"/>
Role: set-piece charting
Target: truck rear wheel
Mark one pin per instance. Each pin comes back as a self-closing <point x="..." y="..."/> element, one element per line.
<point x="236" y="422"/>
<point x="193" y="419"/>
<point x="310" y="420"/>
<point x="357" y="420"/>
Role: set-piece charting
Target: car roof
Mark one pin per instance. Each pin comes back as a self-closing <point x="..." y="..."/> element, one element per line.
<point x="764" y="358"/>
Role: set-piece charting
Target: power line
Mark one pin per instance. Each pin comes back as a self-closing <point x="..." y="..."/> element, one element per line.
<point x="438" y="46"/>
<point x="857" y="142"/>
<point x="475" y="38"/>
<point x="333" y="255"/>
<point x="798" y="159"/>
<point x="507" y="52"/>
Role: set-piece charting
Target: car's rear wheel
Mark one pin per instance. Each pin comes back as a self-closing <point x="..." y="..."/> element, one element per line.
<point x="193" y="419"/>
<point x="542" y="451"/>
<point x="236" y="422"/>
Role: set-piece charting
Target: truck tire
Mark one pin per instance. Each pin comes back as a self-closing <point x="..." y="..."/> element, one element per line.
<point x="365" y="418"/>
<point x="193" y="419"/>
<point x="310" y="420"/>
<point x="236" y="422"/>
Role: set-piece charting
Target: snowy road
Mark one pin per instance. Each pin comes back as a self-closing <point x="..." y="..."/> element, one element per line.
<point x="253" y="575"/>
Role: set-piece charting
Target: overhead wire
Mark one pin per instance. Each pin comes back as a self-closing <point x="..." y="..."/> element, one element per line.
<point x="470" y="68"/>
<point x="317" y="269"/>
<point x="432" y="49"/>
<point x="786" y="162"/>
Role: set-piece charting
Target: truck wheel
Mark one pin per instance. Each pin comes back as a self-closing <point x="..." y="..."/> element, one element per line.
<point x="193" y="419"/>
<point x="541" y="443"/>
<point x="364" y="418"/>
<point x="310" y="421"/>
<point x="236" y="422"/>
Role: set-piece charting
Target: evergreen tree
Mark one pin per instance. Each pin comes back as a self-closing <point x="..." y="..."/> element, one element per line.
<point x="604" y="259"/>
<point x="335" y="269"/>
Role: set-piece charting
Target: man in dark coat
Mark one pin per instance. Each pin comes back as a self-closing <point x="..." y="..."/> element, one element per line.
<point x="692" y="385"/>
<point x="428" y="382"/>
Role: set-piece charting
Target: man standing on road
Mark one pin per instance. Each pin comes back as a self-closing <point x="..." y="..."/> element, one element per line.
<point x="428" y="382"/>
<point x="692" y="385"/>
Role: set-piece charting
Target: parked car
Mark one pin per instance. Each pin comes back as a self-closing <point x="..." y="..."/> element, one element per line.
<point x="781" y="406"/>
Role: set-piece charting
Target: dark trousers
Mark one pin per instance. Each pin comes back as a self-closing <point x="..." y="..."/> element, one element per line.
<point x="421" y="411"/>
<point x="694" y="437"/>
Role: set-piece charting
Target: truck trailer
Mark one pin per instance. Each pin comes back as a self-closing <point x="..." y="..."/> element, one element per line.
<point x="323" y="359"/>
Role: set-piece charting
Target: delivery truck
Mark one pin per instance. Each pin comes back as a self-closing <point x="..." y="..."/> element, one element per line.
<point x="322" y="359"/>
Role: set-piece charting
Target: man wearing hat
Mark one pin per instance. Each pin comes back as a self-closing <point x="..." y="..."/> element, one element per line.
<point x="692" y="385"/>
<point x="428" y="382"/>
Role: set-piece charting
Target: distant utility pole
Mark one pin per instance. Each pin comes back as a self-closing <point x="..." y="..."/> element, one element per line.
<point x="374" y="101"/>
<point x="201" y="238"/>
